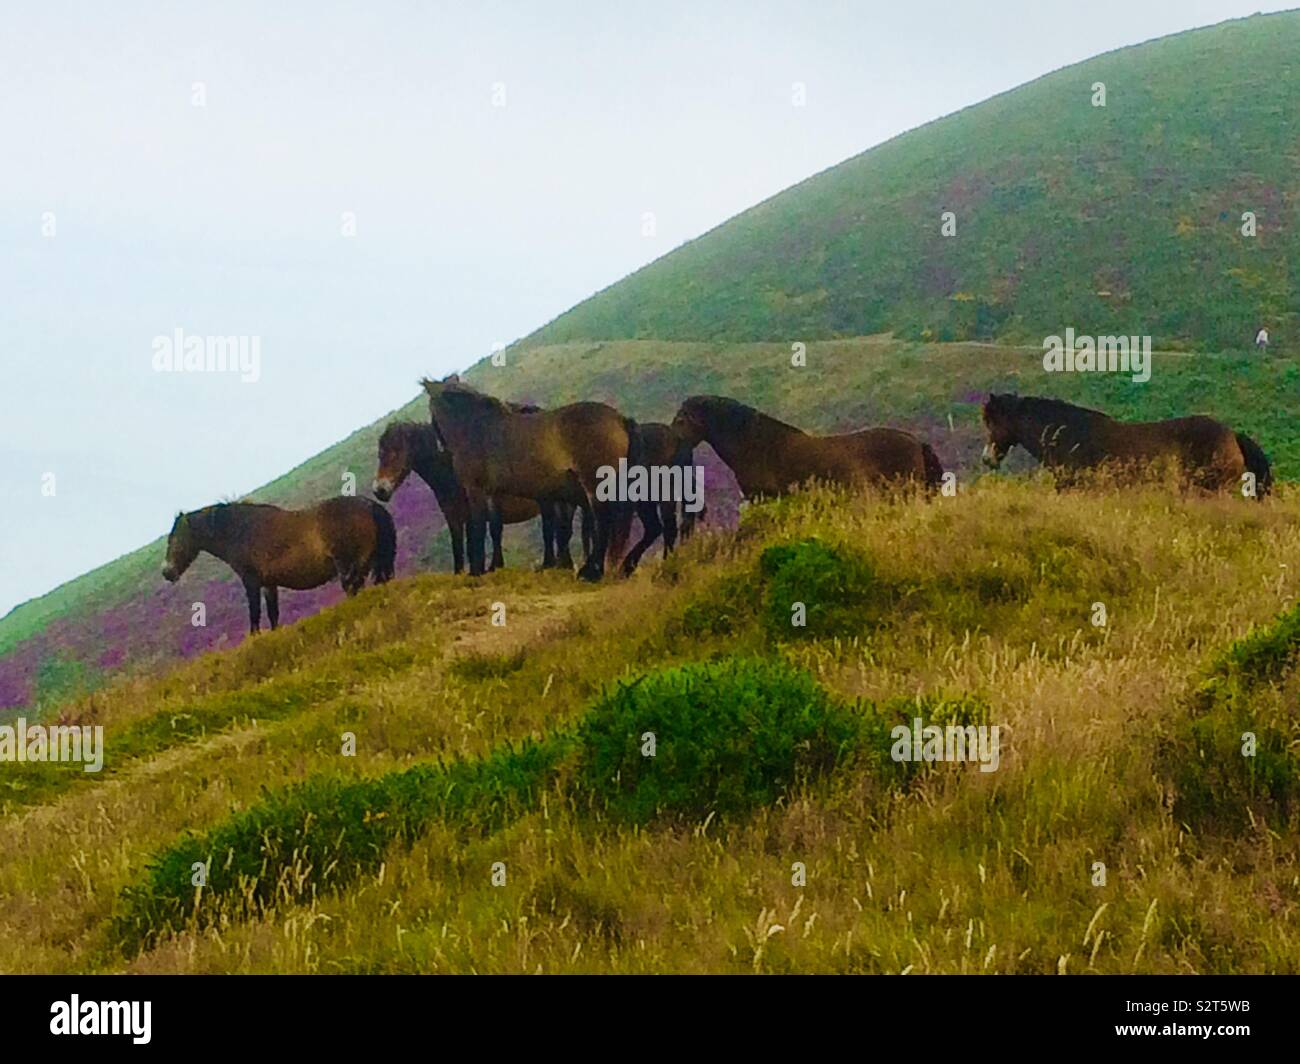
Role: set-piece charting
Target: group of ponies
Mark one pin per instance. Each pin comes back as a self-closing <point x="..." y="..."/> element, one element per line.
<point x="492" y="463"/>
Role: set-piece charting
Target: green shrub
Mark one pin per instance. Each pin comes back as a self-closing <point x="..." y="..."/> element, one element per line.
<point x="1263" y="655"/>
<point x="730" y="736"/>
<point x="1217" y="785"/>
<point x="839" y="590"/>
<point x="938" y="710"/>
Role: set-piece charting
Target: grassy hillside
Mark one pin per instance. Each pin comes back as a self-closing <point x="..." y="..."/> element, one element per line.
<point x="1118" y="219"/>
<point x="125" y="615"/>
<point x="484" y="751"/>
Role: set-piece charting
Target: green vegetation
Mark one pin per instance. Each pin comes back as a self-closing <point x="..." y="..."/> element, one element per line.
<point x="1232" y="762"/>
<point x="323" y="834"/>
<point x="350" y="783"/>
<point x="838" y="592"/>
<point x="360" y="830"/>
<point x="728" y="737"/>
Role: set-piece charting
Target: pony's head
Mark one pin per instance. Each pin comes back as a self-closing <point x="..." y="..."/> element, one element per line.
<point x="1000" y="423"/>
<point x="691" y="422"/>
<point x="182" y="549"/>
<point x="715" y="418"/>
<point x="395" y="459"/>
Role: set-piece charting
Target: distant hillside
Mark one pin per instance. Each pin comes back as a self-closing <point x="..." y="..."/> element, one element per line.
<point x="1118" y="219"/>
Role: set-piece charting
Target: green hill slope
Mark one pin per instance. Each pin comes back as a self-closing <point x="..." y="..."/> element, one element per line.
<point x="772" y="831"/>
<point x="1117" y="219"/>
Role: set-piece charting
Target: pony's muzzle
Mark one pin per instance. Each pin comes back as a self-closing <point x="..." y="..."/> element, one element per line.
<point x="383" y="488"/>
<point x="990" y="455"/>
<point x="169" y="574"/>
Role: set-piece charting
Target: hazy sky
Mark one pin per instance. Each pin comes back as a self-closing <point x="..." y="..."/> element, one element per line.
<point x="475" y="223"/>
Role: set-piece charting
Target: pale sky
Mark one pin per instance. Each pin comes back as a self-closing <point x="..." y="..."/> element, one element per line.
<point x="475" y="223"/>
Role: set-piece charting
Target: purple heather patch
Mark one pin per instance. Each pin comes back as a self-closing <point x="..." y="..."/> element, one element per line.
<point x="154" y="624"/>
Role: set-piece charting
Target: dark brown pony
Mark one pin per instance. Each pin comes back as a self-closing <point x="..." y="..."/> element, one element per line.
<point x="554" y="456"/>
<point x="770" y="457"/>
<point x="270" y="548"/>
<point x="412" y="447"/>
<point x="1068" y="439"/>
<point x="664" y="450"/>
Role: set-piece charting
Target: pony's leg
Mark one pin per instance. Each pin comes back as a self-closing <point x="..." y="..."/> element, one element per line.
<point x="563" y="521"/>
<point x="456" y="530"/>
<point x="668" y="518"/>
<point x="254" y="592"/>
<point x="651" y="527"/>
<point x="475" y="534"/>
<point x="353" y="579"/>
<point x="494" y="527"/>
<point x="272" y="595"/>
<point x="603" y="516"/>
<point x="548" y="512"/>
<point x="587" y="531"/>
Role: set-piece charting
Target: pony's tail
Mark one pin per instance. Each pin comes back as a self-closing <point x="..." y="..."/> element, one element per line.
<point x="385" y="559"/>
<point x="933" y="468"/>
<point x="1257" y="463"/>
<point x="621" y="531"/>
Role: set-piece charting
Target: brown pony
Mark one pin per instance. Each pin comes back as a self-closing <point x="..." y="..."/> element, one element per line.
<point x="412" y="447"/>
<point x="663" y="449"/>
<point x="1068" y="439"/>
<point x="770" y="457"/>
<point x="270" y="548"/>
<point x="554" y="456"/>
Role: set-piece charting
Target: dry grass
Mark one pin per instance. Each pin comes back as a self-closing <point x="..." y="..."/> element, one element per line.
<point x="991" y="593"/>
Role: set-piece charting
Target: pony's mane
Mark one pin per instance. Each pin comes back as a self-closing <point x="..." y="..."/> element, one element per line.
<point x="460" y="393"/>
<point x="457" y="389"/>
<point x="224" y="509"/>
<point x="739" y="414"/>
<point x="403" y="428"/>
<point x="1048" y="407"/>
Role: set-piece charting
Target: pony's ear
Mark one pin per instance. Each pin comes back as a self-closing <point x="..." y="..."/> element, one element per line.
<point x="430" y="386"/>
<point x="451" y="378"/>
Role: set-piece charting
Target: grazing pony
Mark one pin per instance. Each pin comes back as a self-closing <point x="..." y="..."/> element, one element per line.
<point x="1068" y="439"/>
<point x="412" y="447"/>
<point x="269" y="548"/>
<point x="564" y="455"/>
<point x="770" y="457"/>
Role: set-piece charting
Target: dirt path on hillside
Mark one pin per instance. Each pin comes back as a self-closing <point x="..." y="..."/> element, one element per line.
<point x="526" y="620"/>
